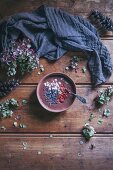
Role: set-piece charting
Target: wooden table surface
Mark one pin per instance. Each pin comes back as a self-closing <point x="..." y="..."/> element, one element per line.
<point x="52" y="140"/>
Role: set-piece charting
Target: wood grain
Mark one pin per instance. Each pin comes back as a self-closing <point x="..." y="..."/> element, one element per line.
<point x="57" y="153"/>
<point x="52" y="141"/>
<point x="39" y="120"/>
<point x="59" y="66"/>
<point x="9" y="7"/>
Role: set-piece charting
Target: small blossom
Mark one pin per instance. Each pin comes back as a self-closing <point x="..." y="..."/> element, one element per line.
<point x="19" y="56"/>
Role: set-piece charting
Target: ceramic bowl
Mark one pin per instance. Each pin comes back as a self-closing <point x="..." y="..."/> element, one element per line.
<point x="45" y="84"/>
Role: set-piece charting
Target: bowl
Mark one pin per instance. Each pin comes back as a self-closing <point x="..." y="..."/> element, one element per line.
<point x="53" y="92"/>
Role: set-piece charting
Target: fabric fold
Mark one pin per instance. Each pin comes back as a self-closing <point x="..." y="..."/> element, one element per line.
<point x="54" y="32"/>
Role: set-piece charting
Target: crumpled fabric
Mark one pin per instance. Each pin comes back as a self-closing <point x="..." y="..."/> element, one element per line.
<point x="54" y="32"/>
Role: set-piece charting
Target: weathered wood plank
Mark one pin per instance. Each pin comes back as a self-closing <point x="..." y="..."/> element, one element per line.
<point x="39" y="120"/>
<point x="78" y="77"/>
<point x="59" y="66"/>
<point x="55" y="153"/>
<point x="9" y="7"/>
<point x="62" y="149"/>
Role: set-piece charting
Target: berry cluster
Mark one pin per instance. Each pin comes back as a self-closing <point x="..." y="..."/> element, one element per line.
<point x="101" y="21"/>
<point x="6" y="87"/>
<point x="19" y="57"/>
<point x="55" y="92"/>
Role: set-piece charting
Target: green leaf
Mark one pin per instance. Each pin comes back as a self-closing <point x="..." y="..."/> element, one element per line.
<point x="13" y="104"/>
<point x="88" y="132"/>
<point x="100" y="120"/>
<point x="91" y="116"/>
<point x="3" y="128"/>
<point x="106" y="112"/>
<point x="105" y="95"/>
<point x="42" y="69"/>
<point x="15" y="124"/>
<point x="21" y="125"/>
<point x="84" y="69"/>
<point x="7" y="107"/>
<point x="24" y="101"/>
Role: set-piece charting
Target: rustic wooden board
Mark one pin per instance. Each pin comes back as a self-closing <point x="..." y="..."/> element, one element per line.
<point x="9" y="7"/>
<point x="39" y="120"/>
<point x="52" y="140"/>
<point x="57" y="153"/>
<point x="59" y="66"/>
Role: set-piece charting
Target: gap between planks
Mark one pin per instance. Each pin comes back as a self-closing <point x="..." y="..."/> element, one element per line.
<point x="79" y="85"/>
<point x="48" y="135"/>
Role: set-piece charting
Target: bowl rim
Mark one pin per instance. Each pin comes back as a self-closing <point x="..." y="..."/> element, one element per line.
<point x="39" y="98"/>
